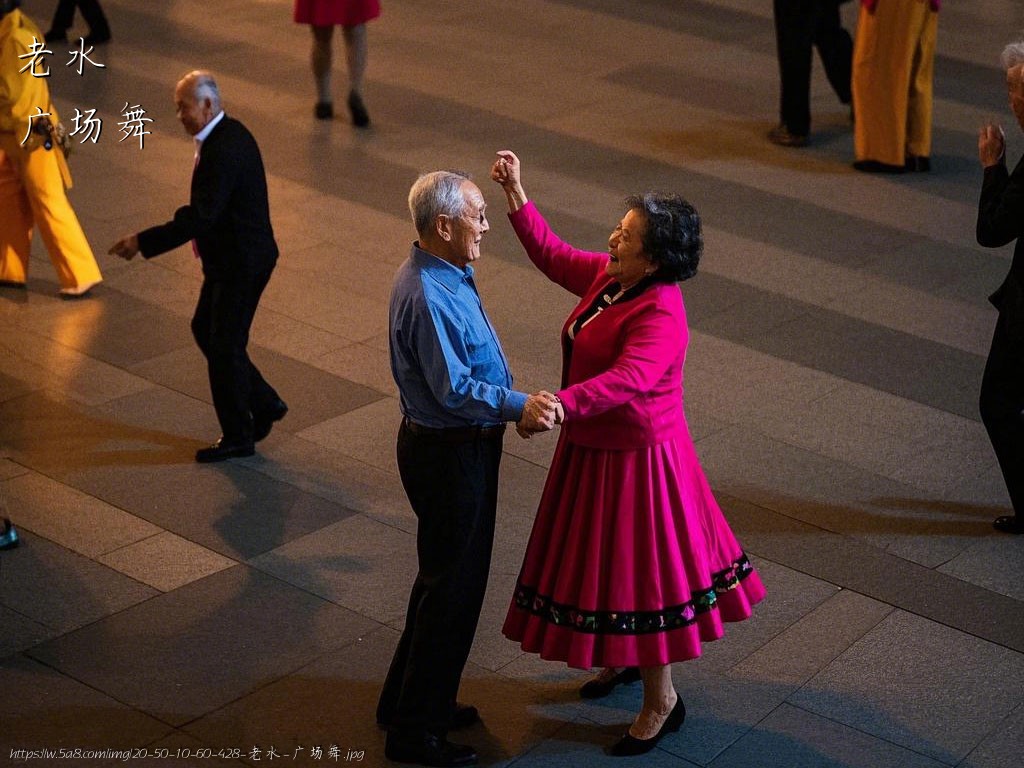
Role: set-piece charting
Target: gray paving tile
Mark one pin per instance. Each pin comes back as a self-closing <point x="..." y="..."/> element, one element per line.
<point x="165" y="561"/>
<point x="57" y="439"/>
<point x="330" y="701"/>
<point x="230" y="508"/>
<point x="793" y="738"/>
<point x="581" y="744"/>
<point x="882" y="686"/>
<point x="73" y="519"/>
<point x="357" y="563"/>
<point x="176" y="659"/>
<point x="42" y="708"/>
<point x="993" y="563"/>
<point x="886" y="578"/>
<point x="1002" y="747"/>
<point x="359" y="433"/>
<point x="61" y="590"/>
<point x="19" y="632"/>
<point x="792" y="597"/>
<point x="810" y="644"/>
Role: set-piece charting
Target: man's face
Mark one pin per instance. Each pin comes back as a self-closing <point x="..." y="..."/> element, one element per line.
<point x="467" y="229"/>
<point x="1015" y="87"/>
<point x="193" y="114"/>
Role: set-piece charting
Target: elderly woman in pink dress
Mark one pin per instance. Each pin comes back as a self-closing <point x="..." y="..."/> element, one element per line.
<point x="631" y="564"/>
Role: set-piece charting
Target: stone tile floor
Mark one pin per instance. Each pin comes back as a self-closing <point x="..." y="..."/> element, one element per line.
<point x="839" y="330"/>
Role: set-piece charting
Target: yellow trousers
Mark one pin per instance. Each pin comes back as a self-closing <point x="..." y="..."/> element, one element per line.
<point x="893" y="62"/>
<point x="32" y="194"/>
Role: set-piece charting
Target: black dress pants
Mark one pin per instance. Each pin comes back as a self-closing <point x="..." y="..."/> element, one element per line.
<point x="801" y="25"/>
<point x="1002" y="408"/>
<point x="91" y="12"/>
<point x="221" y="329"/>
<point x="453" y="489"/>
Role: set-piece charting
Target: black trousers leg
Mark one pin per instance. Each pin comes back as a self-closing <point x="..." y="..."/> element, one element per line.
<point x="794" y="40"/>
<point x="64" y="16"/>
<point x="220" y="327"/>
<point x="1002" y="409"/>
<point x="453" y="489"/>
<point x="835" y="47"/>
<point x="93" y="14"/>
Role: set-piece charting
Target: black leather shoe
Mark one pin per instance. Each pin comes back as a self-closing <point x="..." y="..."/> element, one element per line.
<point x="426" y="749"/>
<point x="263" y="421"/>
<point x="97" y="37"/>
<point x="782" y="136"/>
<point x="598" y="688"/>
<point x="225" y="449"/>
<point x="9" y="538"/>
<point x="1008" y="524"/>
<point x="630" y="745"/>
<point x="323" y="110"/>
<point x="56" y="36"/>
<point x="918" y="164"/>
<point x="463" y="716"/>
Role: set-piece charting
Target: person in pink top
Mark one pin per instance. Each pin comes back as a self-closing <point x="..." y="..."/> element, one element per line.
<point x="351" y="15"/>
<point x="631" y="564"/>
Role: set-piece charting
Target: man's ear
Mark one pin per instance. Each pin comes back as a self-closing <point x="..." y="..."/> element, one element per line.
<point x="444" y="226"/>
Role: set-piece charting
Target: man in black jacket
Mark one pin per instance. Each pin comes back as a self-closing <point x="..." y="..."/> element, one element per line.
<point x="1001" y="221"/>
<point x="228" y="222"/>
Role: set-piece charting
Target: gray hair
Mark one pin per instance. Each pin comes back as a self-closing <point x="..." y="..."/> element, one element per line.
<point x="1013" y="55"/>
<point x="434" y="194"/>
<point x="204" y="87"/>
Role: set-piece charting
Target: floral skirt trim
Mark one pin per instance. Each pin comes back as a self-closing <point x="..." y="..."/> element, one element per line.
<point x="634" y="622"/>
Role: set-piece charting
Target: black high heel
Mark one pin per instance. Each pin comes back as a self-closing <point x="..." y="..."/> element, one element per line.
<point x="630" y="745"/>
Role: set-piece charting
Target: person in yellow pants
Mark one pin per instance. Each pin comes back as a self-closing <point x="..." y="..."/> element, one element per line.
<point x="33" y="179"/>
<point x="893" y="61"/>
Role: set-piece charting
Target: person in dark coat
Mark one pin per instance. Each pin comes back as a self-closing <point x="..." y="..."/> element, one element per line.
<point x="1001" y="221"/>
<point x="228" y="222"/>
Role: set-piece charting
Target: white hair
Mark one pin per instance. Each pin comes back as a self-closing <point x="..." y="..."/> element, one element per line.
<point x="434" y="194"/>
<point x="204" y="87"/>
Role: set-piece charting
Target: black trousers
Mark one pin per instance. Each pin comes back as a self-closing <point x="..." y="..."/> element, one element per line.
<point x="453" y="489"/>
<point x="221" y="329"/>
<point x="1002" y="408"/>
<point x="801" y="25"/>
<point x="93" y="14"/>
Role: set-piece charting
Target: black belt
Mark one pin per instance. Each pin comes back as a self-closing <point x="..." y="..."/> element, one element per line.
<point x="453" y="434"/>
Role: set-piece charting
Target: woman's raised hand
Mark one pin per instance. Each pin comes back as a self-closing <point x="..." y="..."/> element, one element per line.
<point x="505" y="172"/>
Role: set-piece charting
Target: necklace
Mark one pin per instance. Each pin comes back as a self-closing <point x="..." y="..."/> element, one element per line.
<point x="607" y="301"/>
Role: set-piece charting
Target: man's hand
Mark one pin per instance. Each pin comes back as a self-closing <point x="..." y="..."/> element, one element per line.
<point x="539" y="415"/>
<point x="126" y="247"/>
<point x="991" y="145"/>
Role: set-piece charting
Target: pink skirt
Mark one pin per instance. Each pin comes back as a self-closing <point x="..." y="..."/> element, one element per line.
<point x="326" y="13"/>
<point x="631" y="561"/>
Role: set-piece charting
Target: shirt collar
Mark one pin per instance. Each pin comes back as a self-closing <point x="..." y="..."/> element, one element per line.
<point x="203" y="134"/>
<point x="444" y="272"/>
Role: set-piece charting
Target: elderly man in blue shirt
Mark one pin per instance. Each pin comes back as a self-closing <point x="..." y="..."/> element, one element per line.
<point x="456" y="396"/>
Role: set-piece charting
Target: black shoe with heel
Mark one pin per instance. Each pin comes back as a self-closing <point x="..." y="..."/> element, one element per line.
<point x="630" y="745"/>
<point x="360" y="117"/>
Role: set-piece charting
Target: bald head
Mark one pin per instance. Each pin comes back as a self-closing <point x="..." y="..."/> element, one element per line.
<point x="197" y="100"/>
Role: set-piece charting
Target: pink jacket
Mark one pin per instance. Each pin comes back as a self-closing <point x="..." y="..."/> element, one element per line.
<point x="622" y="382"/>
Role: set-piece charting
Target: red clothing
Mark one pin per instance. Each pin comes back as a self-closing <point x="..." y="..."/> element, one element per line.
<point x="326" y="13"/>
<point x="630" y="561"/>
<point x="623" y="388"/>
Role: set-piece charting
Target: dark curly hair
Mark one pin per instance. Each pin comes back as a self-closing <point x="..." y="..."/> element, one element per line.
<point x="673" y="235"/>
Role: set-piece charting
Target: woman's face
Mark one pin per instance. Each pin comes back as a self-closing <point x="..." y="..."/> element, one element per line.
<point x="627" y="261"/>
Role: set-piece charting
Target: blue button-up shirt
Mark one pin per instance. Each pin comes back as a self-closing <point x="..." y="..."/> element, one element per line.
<point x="445" y="354"/>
